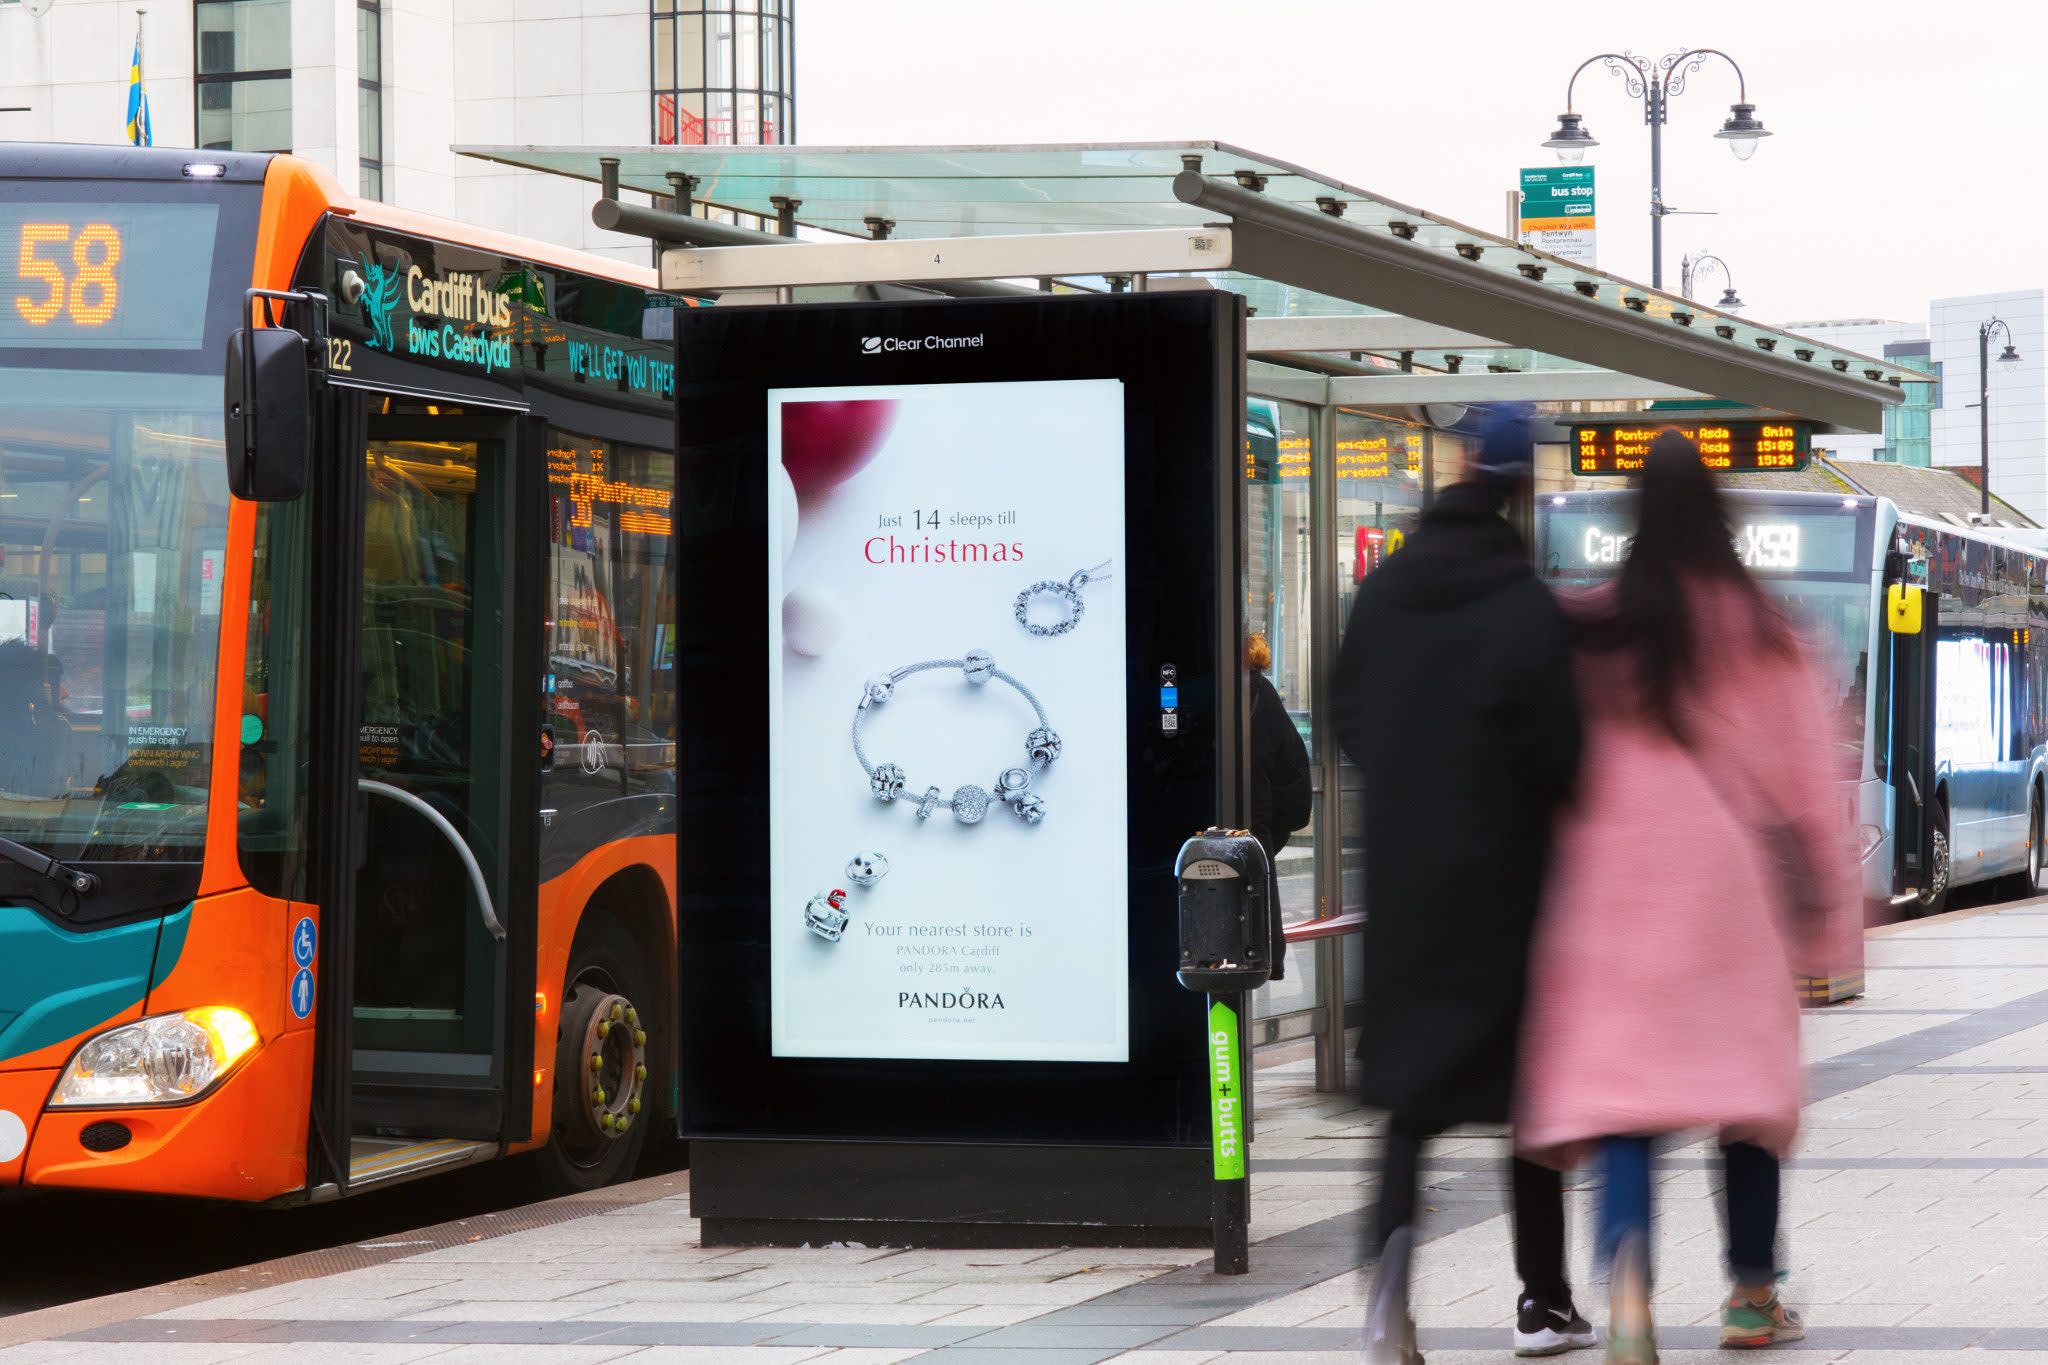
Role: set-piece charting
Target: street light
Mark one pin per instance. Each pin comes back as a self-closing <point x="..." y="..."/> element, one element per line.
<point x="2005" y="357"/>
<point x="1654" y="83"/>
<point x="1690" y="268"/>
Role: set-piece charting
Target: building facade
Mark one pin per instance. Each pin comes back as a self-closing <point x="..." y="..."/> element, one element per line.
<point x="2019" y="393"/>
<point x="379" y="90"/>
<point x="1872" y="337"/>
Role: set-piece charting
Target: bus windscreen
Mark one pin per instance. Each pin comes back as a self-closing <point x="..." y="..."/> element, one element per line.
<point x="105" y="275"/>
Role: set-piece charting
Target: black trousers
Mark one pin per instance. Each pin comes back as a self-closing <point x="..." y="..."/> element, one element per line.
<point x="1535" y="1206"/>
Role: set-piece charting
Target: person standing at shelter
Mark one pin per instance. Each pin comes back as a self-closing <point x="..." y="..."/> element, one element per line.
<point x="1705" y="859"/>
<point x="1282" y="791"/>
<point x="1454" y="698"/>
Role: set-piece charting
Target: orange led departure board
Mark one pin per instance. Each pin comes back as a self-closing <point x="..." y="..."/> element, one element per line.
<point x="1725" y="447"/>
<point x="108" y="276"/>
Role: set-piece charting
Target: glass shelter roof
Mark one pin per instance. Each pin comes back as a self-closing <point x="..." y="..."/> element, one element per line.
<point x="947" y="192"/>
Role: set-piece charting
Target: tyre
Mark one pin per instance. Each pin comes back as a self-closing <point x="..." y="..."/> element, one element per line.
<point x="1934" y="894"/>
<point x="602" y="1110"/>
<point x="2033" y="873"/>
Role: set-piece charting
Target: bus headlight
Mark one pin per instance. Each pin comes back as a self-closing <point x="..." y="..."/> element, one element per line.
<point x="1868" y="837"/>
<point x="161" y="1060"/>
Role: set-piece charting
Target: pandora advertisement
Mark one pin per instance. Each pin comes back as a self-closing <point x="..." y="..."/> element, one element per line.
<point x="949" y="856"/>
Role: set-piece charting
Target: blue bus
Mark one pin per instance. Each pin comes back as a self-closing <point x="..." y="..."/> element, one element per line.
<point x="1943" y="719"/>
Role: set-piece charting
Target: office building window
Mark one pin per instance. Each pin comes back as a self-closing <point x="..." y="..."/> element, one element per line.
<point x="370" y="95"/>
<point x="724" y="72"/>
<point x="243" y="61"/>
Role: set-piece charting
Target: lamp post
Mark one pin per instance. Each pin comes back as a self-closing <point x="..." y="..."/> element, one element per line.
<point x="1690" y="267"/>
<point x="2005" y="357"/>
<point x="1654" y="83"/>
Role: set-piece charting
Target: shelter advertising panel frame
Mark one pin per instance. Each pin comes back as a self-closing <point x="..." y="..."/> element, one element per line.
<point x="965" y="1151"/>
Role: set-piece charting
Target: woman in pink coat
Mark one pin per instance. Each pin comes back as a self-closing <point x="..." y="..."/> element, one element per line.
<point x="1705" y="864"/>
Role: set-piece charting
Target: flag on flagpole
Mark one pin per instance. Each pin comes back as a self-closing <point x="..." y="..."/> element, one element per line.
<point x="138" y="100"/>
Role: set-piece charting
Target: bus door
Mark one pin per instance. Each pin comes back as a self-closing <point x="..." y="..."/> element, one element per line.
<point x="1912" y="767"/>
<point x="446" y="773"/>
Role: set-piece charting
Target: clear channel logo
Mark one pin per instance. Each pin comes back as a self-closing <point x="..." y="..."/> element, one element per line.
<point x="892" y="345"/>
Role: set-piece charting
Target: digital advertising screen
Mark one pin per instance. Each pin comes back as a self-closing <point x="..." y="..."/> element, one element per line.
<point x="947" y="723"/>
<point x="959" y="652"/>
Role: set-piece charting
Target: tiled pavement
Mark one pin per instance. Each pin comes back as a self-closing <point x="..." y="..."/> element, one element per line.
<point x="1917" y="1229"/>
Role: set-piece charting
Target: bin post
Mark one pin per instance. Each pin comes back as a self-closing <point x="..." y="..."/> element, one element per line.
<point x="1225" y="954"/>
<point x="1230" y="1201"/>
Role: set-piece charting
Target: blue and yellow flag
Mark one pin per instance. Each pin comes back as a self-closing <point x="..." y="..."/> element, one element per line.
<point x="138" y="101"/>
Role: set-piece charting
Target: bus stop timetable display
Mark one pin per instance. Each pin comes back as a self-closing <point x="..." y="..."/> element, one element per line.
<point x="1725" y="447"/>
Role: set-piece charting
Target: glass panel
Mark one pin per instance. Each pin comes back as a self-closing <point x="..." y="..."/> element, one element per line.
<point x="246" y="116"/>
<point x="747" y="125"/>
<point x="719" y="66"/>
<point x="369" y="50"/>
<point x="244" y="35"/>
<point x="272" y="821"/>
<point x="370" y="122"/>
<point x="1280" y="562"/>
<point x="113" y="547"/>
<point x="611" y="647"/>
<point x="748" y="53"/>
<point x="718" y="118"/>
<point x="431" y="723"/>
<point x="1379" y="502"/>
<point x="690" y="52"/>
<point x="664" y="54"/>
<point x="370" y="182"/>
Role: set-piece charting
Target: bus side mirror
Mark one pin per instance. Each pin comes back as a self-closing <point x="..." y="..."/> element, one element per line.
<point x="269" y="414"/>
<point x="1902" y="608"/>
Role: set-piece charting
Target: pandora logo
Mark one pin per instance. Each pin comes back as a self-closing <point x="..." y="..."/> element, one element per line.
<point x="948" y="1000"/>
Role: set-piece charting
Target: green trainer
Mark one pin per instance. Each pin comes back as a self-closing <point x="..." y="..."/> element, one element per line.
<point x="1747" y="1325"/>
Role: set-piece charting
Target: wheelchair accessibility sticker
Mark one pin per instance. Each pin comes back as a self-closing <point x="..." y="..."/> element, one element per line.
<point x="304" y="939"/>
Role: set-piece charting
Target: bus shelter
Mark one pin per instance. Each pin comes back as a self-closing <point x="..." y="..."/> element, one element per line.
<point x="1375" y="327"/>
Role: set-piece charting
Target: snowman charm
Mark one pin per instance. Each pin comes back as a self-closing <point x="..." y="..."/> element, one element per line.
<point x="824" y="917"/>
<point x="865" y="869"/>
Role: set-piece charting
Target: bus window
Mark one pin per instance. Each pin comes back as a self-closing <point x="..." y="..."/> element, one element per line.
<point x="272" y="798"/>
<point x="610" y="671"/>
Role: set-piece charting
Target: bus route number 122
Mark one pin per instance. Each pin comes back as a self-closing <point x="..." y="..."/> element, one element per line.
<point x="89" y="292"/>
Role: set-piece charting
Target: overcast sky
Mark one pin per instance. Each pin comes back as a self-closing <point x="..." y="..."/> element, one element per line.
<point x="1906" y="161"/>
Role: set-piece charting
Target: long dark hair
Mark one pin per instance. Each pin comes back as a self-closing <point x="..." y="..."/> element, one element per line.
<point x="1682" y="542"/>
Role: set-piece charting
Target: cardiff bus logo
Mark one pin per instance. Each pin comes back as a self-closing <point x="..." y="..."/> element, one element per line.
<point x="380" y="300"/>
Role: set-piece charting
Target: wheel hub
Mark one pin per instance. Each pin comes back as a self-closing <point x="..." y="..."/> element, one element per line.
<point x="611" y="1060"/>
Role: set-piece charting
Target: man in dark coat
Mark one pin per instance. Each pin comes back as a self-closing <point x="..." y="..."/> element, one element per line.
<point x="1282" y="792"/>
<point x="1454" y="697"/>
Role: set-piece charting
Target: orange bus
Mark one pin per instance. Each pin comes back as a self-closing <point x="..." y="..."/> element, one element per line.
<point x="337" y="713"/>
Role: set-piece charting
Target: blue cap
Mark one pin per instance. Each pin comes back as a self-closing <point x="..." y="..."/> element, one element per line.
<point x="1507" y="447"/>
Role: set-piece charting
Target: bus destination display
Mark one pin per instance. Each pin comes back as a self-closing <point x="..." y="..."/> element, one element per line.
<point x="1725" y="447"/>
<point x="105" y="276"/>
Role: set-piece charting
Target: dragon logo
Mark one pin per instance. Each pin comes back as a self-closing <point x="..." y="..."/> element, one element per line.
<point x="380" y="300"/>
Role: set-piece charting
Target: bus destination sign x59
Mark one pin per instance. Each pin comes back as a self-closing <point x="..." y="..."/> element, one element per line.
<point x="1733" y="447"/>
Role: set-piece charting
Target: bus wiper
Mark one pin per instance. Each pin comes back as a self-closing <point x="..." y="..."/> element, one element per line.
<point x="81" y="882"/>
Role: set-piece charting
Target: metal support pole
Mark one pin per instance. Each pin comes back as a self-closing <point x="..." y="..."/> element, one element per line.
<point x="1655" y="101"/>
<point x="1984" y="417"/>
<point x="1230" y="1199"/>
<point x="785" y="214"/>
<point x="608" y="176"/>
<point x="1325" y="631"/>
<point x="683" y="189"/>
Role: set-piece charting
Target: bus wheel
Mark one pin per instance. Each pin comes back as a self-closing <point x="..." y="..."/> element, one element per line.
<point x="1934" y="896"/>
<point x="2034" y="845"/>
<point x="601" y="1114"/>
